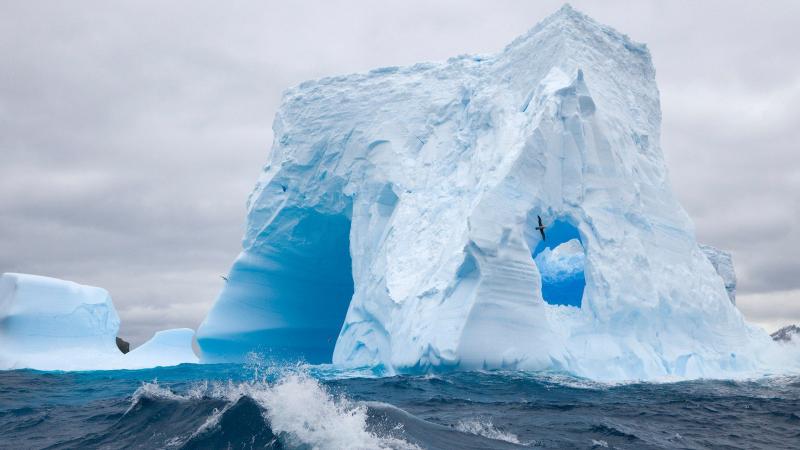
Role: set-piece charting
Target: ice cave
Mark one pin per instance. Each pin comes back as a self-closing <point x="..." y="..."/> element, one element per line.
<point x="297" y="287"/>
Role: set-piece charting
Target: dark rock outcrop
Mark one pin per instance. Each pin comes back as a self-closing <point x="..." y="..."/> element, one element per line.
<point x="786" y="334"/>
<point x="123" y="345"/>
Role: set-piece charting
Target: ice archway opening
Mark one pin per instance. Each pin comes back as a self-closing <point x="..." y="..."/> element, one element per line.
<point x="296" y="285"/>
<point x="561" y="260"/>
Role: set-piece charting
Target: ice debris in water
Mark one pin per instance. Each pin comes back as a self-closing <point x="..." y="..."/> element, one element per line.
<point x="394" y="225"/>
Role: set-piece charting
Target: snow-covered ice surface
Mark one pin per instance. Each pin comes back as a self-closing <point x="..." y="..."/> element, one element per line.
<point x="52" y="324"/>
<point x="394" y="224"/>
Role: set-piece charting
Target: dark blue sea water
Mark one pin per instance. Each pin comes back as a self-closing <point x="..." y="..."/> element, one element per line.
<point x="232" y="406"/>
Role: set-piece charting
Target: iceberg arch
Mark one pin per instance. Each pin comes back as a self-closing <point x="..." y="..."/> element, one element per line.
<point x="429" y="174"/>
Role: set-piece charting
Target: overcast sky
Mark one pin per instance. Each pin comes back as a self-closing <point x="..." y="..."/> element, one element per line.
<point x="131" y="132"/>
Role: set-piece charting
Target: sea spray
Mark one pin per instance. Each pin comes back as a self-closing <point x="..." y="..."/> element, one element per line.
<point x="485" y="427"/>
<point x="222" y="406"/>
<point x="297" y="408"/>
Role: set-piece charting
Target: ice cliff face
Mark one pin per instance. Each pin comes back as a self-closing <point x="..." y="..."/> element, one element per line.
<point x="395" y="223"/>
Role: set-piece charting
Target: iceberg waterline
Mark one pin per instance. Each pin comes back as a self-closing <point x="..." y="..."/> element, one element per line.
<point x="394" y="224"/>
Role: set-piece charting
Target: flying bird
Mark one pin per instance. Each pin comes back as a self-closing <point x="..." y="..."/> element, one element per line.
<point x="541" y="227"/>
<point x="224" y="278"/>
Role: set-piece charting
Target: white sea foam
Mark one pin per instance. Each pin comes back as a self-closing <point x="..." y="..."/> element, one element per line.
<point x="485" y="428"/>
<point x="302" y="410"/>
<point x="154" y="390"/>
<point x="297" y="407"/>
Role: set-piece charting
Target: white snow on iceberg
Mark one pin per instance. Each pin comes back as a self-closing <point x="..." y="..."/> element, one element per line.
<point x="52" y="324"/>
<point x="395" y="223"/>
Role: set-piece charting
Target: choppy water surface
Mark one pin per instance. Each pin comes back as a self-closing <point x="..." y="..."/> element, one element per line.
<point x="231" y="406"/>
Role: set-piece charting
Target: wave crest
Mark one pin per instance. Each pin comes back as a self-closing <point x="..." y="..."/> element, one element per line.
<point x="296" y="409"/>
<point x="487" y="429"/>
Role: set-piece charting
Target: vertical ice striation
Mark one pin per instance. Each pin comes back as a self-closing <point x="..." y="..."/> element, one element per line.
<point x="394" y="224"/>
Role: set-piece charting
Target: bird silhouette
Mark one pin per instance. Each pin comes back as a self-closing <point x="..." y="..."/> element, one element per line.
<point x="541" y="227"/>
<point x="224" y="278"/>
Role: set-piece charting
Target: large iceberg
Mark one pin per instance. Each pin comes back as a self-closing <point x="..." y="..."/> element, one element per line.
<point x="52" y="324"/>
<point x="395" y="223"/>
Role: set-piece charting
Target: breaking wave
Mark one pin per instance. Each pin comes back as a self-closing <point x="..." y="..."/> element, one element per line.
<point x="296" y="411"/>
<point x="301" y="407"/>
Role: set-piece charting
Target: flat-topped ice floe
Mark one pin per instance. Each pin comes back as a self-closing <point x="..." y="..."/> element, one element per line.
<point x="165" y="348"/>
<point x="52" y="324"/>
<point x="395" y="224"/>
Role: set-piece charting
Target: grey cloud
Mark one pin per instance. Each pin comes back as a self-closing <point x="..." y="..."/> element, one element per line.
<point x="131" y="132"/>
<point x="772" y="310"/>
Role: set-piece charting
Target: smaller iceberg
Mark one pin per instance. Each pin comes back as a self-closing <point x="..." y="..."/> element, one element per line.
<point x="165" y="348"/>
<point x="52" y="324"/>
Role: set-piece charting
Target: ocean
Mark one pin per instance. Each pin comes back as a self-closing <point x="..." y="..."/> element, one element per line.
<point x="317" y="407"/>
